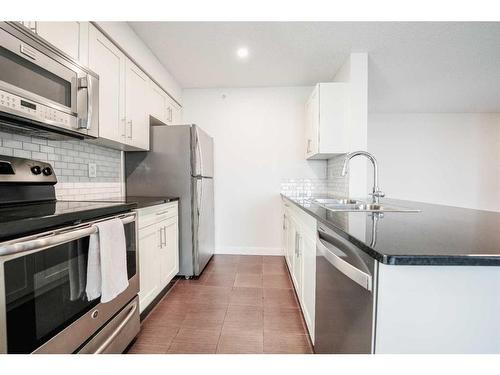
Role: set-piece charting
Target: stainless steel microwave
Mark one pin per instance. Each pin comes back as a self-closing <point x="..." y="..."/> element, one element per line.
<point x="42" y="90"/>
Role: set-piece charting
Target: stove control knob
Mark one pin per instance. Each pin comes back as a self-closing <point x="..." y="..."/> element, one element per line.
<point x="36" y="169"/>
<point x="47" y="171"/>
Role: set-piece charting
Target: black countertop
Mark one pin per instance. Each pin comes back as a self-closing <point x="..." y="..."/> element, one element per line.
<point x="138" y="201"/>
<point x="438" y="235"/>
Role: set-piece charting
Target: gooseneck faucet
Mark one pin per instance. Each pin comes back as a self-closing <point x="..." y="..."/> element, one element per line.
<point x="376" y="192"/>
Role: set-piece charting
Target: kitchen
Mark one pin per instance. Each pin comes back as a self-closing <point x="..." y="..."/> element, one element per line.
<point x="159" y="203"/>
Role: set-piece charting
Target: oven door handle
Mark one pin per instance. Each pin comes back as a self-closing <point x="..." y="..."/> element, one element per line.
<point x="53" y="239"/>
<point x="118" y="329"/>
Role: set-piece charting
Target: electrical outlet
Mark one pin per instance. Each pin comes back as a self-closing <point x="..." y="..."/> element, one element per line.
<point x="92" y="170"/>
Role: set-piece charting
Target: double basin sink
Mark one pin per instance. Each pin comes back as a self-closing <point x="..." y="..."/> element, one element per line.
<point x="357" y="206"/>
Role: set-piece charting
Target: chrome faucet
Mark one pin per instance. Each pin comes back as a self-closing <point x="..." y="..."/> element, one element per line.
<point x="376" y="192"/>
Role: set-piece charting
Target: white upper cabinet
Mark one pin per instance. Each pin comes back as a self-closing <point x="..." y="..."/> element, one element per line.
<point x="158" y="103"/>
<point x="109" y="63"/>
<point x="127" y="95"/>
<point x="163" y="108"/>
<point x="123" y="95"/>
<point x="326" y="125"/>
<point x="137" y="112"/>
<point x="69" y="37"/>
<point x="173" y="112"/>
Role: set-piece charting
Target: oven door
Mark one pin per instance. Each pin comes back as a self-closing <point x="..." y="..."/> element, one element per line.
<point x="43" y="304"/>
<point x="39" y="85"/>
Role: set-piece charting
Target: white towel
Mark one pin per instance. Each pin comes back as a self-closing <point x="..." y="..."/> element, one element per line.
<point x="107" y="261"/>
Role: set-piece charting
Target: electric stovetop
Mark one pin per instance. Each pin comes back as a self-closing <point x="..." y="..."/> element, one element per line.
<point x="27" y="218"/>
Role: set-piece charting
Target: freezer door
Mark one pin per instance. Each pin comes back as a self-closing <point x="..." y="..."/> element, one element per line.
<point x="202" y="148"/>
<point x="203" y="220"/>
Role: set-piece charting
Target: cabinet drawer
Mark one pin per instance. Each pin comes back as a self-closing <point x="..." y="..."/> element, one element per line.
<point x="154" y="214"/>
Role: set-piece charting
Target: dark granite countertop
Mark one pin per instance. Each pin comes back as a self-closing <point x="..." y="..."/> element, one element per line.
<point x="438" y="235"/>
<point x="140" y="202"/>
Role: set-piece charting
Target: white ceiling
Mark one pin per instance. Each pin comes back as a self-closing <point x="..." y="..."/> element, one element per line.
<point x="414" y="67"/>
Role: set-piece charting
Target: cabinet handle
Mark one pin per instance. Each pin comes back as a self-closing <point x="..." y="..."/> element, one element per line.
<point x="308" y="146"/>
<point x="130" y="124"/>
<point x="124" y="128"/>
<point x="162" y="212"/>
<point x="164" y="236"/>
<point x="297" y="245"/>
<point x="169" y="115"/>
<point x="161" y="243"/>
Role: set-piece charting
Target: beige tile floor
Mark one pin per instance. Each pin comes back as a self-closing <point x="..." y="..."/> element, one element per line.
<point x="240" y="304"/>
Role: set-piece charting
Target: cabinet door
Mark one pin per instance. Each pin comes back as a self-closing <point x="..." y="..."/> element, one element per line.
<point x="109" y="63"/>
<point x="173" y="112"/>
<point x="176" y="115"/>
<point x="312" y="123"/>
<point x="309" y="282"/>
<point x="149" y="267"/>
<point x="290" y="244"/>
<point x="284" y="236"/>
<point x="158" y="103"/>
<point x="169" y="251"/>
<point x="69" y="37"/>
<point x="297" y="262"/>
<point x="137" y="116"/>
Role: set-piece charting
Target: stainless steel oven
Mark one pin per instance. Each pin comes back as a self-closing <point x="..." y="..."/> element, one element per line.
<point x="43" y="308"/>
<point x="42" y="90"/>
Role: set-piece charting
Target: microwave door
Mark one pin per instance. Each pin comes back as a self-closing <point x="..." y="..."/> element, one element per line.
<point x="44" y="91"/>
<point x="27" y="72"/>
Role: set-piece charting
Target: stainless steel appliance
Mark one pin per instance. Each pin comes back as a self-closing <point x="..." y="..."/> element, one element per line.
<point x="42" y="90"/>
<point x="345" y="303"/>
<point x="180" y="164"/>
<point x="43" y="263"/>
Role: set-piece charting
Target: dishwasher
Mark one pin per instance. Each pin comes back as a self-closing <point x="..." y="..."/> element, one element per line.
<point x="345" y="300"/>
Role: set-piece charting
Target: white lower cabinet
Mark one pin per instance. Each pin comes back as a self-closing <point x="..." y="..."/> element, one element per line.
<point x="149" y="266"/>
<point x="158" y="250"/>
<point x="309" y="281"/>
<point x="299" y="247"/>
<point x="169" y="250"/>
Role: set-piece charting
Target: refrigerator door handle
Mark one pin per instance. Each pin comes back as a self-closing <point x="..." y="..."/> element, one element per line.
<point x="199" y="196"/>
<point x="200" y="154"/>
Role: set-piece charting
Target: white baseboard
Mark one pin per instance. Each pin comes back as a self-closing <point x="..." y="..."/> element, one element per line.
<point x="249" y="250"/>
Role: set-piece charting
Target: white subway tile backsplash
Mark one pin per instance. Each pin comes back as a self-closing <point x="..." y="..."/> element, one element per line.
<point x="31" y="146"/>
<point x="22" y="153"/>
<point x="12" y="144"/>
<point x="338" y="186"/>
<point x="329" y="182"/>
<point x="70" y="161"/>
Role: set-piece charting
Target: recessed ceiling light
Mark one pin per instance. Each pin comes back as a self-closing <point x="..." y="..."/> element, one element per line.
<point x="242" y="52"/>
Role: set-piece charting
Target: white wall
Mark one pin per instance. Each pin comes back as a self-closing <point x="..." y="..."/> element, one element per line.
<point x="125" y="36"/>
<point x="355" y="71"/>
<point x="451" y="159"/>
<point x="259" y="136"/>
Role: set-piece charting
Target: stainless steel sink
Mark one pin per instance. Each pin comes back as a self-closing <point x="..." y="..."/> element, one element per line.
<point x="350" y="205"/>
<point x="335" y="201"/>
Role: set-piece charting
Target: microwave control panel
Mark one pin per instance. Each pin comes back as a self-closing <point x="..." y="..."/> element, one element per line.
<point x="16" y="105"/>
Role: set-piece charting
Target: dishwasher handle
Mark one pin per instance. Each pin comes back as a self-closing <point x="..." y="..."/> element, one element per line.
<point x="355" y="274"/>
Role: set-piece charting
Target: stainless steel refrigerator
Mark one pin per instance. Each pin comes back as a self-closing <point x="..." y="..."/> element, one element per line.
<point x="180" y="163"/>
